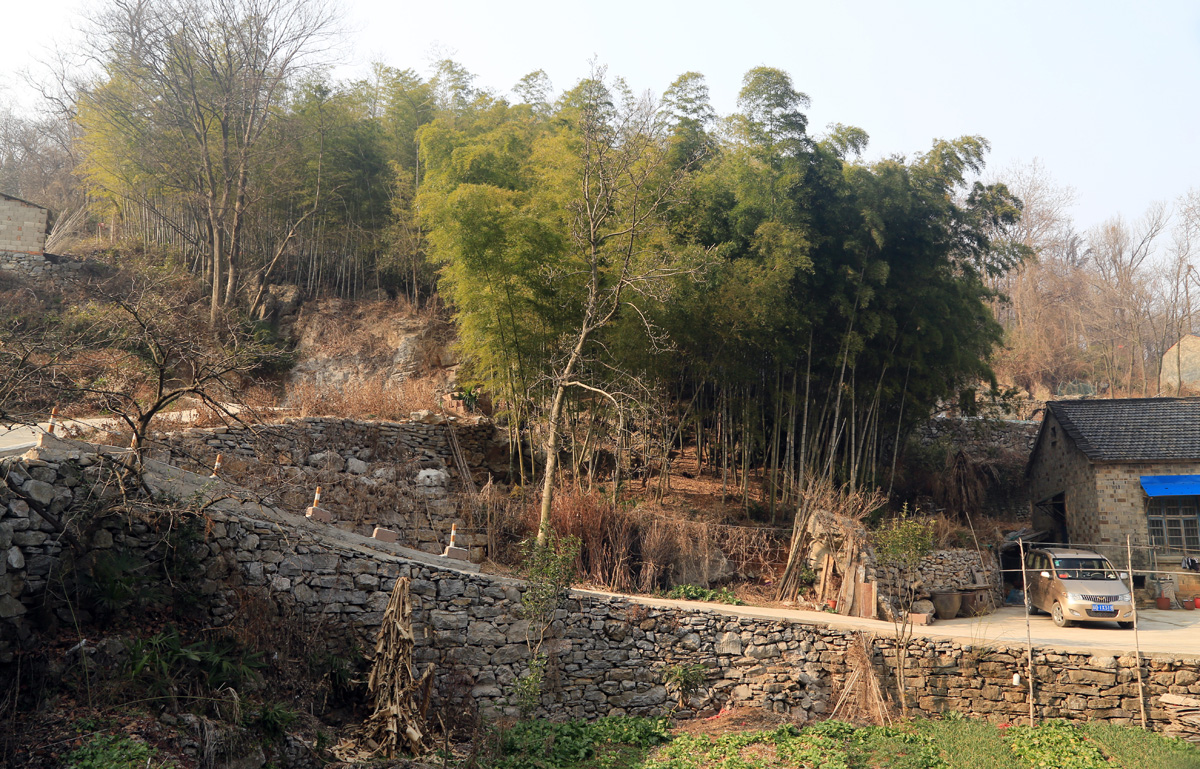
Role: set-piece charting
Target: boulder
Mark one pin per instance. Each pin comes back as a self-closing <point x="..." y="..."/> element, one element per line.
<point x="704" y="568"/>
<point x="40" y="492"/>
<point x="923" y="606"/>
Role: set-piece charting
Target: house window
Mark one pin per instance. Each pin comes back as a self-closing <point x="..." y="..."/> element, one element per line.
<point x="1175" y="522"/>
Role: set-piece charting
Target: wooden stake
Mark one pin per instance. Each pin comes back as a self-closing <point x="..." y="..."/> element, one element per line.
<point x="1137" y="644"/>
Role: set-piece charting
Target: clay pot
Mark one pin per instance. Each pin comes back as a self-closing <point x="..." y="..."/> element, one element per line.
<point x="976" y="603"/>
<point x="947" y="604"/>
<point x="1189" y="603"/>
<point x="1163" y="602"/>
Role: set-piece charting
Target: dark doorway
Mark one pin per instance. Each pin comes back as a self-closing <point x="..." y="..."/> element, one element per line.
<point x="1050" y="515"/>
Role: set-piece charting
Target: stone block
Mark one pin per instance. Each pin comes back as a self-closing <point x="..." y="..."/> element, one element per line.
<point x="385" y="535"/>
<point x="457" y="553"/>
<point x="318" y="514"/>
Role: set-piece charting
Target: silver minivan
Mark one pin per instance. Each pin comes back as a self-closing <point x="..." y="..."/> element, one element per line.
<point x="1076" y="586"/>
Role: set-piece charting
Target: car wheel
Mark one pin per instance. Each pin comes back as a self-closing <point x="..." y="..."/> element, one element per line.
<point x="1060" y="619"/>
<point x="1032" y="610"/>
<point x="1126" y="625"/>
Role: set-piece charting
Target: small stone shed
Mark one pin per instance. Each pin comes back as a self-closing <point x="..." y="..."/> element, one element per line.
<point x="23" y="226"/>
<point x="1103" y="468"/>
<point x="1182" y="361"/>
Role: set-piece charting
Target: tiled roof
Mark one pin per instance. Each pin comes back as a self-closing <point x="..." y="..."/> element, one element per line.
<point x="19" y="200"/>
<point x="1132" y="429"/>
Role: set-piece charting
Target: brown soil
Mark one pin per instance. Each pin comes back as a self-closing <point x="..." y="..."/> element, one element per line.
<point x="734" y="720"/>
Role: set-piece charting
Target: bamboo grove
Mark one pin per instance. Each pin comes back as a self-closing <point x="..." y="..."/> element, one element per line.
<point x="649" y="276"/>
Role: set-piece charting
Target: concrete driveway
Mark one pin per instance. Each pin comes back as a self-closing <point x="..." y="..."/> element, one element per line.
<point x="1176" y="633"/>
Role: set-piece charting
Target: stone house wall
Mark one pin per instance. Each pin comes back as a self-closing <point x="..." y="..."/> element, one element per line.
<point x="1062" y="468"/>
<point x="607" y="654"/>
<point x="22" y="226"/>
<point x="1104" y="501"/>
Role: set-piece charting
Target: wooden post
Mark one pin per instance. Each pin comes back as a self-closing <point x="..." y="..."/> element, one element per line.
<point x="1028" y="631"/>
<point x="1137" y="644"/>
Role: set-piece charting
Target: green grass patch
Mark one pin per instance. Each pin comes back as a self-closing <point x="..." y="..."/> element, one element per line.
<point x="1133" y="747"/>
<point x="954" y="742"/>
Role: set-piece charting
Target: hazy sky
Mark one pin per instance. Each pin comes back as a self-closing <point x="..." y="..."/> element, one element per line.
<point x="1104" y="93"/>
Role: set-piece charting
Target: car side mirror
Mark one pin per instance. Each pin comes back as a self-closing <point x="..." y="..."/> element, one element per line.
<point x="1124" y="575"/>
<point x="1046" y="574"/>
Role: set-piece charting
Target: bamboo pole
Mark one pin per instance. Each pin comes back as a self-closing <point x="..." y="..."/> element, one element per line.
<point x="1028" y="631"/>
<point x="1137" y="643"/>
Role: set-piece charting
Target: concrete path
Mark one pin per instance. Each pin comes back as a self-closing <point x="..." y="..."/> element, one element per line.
<point x="19" y="439"/>
<point x="1174" y="633"/>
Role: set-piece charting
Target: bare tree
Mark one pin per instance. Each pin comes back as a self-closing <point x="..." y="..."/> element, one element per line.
<point x="187" y="91"/>
<point x="625" y="184"/>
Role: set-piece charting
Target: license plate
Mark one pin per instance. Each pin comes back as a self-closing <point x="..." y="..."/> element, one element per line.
<point x="1102" y="607"/>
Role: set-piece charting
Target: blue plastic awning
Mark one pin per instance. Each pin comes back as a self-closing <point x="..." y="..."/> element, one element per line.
<point x="1171" y="485"/>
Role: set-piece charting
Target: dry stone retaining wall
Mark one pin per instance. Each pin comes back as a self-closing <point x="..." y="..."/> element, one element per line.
<point x="390" y="474"/>
<point x="37" y="265"/>
<point x="607" y="655"/>
<point x="945" y="570"/>
<point x="296" y="441"/>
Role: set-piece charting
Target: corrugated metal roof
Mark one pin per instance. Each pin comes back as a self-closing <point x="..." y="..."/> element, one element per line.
<point x="1132" y="429"/>
<point x="1171" y="485"/>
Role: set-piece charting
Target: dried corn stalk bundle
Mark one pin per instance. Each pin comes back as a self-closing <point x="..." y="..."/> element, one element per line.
<point x="398" y="722"/>
<point x="861" y="698"/>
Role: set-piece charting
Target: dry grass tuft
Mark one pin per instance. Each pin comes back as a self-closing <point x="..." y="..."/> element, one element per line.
<point x="365" y="400"/>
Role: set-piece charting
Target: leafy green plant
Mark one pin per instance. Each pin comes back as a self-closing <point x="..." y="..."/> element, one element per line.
<point x="1056" y="744"/>
<point x="274" y="719"/>
<point x="684" y="680"/>
<point x="612" y="741"/>
<point x="117" y="581"/>
<point x="900" y="543"/>
<point x="111" y="751"/>
<point x="165" y="662"/>
<point x="470" y="397"/>
<point x="826" y="744"/>
<point x="697" y="593"/>
<point x="526" y="691"/>
<point x="549" y="570"/>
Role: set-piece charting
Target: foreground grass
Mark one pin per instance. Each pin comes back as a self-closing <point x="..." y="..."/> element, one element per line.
<point x="952" y="743"/>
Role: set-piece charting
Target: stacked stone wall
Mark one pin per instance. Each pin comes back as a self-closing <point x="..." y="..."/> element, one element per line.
<point x="296" y="442"/>
<point x="981" y="434"/>
<point x="389" y="474"/>
<point x="607" y="654"/>
<point x="38" y="266"/>
<point x="945" y="570"/>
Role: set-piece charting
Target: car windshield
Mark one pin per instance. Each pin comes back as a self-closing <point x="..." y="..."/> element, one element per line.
<point x="1083" y="568"/>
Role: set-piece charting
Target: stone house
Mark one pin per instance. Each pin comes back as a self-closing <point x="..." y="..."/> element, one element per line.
<point x="23" y="226"/>
<point x="1101" y="469"/>
<point x="1182" y="361"/>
